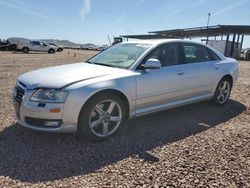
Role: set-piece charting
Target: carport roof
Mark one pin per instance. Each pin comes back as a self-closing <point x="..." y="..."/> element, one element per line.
<point x="216" y="30"/>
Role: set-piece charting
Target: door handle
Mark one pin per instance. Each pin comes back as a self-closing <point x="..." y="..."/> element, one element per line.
<point x="180" y="72"/>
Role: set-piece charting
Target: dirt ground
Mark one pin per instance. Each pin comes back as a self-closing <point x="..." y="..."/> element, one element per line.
<point x="198" y="145"/>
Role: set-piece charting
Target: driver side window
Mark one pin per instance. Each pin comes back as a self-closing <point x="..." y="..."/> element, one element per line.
<point x="167" y="54"/>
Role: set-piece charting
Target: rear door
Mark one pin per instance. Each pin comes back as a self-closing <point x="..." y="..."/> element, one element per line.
<point x="202" y="72"/>
<point x="159" y="88"/>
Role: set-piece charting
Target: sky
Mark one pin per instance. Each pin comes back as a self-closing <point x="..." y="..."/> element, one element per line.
<point x="84" y="21"/>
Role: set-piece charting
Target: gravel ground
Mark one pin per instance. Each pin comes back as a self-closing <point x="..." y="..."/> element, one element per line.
<point x="197" y="145"/>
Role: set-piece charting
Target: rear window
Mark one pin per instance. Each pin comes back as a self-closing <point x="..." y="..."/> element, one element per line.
<point x="195" y="53"/>
<point x="35" y="43"/>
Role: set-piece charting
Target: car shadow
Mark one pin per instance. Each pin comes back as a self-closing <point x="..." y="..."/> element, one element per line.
<point x="31" y="156"/>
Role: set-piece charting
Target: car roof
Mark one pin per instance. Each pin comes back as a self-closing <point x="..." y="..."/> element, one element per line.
<point x="153" y="41"/>
<point x="161" y="41"/>
<point x="156" y="42"/>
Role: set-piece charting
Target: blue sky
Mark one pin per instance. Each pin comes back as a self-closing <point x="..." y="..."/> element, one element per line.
<point x="83" y="21"/>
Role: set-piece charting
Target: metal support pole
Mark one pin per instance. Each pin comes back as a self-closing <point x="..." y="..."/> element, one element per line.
<point x="241" y="44"/>
<point x="238" y="40"/>
<point x="232" y="46"/>
<point x="207" y="26"/>
<point x="226" y="47"/>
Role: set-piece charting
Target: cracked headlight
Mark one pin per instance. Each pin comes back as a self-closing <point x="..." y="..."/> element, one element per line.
<point x="49" y="95"/>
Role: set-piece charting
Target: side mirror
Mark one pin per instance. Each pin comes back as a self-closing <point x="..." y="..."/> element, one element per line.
<point x="152" y="64"/>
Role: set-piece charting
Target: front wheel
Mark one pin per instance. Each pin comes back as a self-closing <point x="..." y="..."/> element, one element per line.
<point x="102" y="117"/>
<point x="222" y="92"/>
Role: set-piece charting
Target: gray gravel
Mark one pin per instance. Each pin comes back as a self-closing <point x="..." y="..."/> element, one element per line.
<point x="193" y="146"/>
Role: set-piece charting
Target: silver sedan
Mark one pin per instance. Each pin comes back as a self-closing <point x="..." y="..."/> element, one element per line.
<point x="130" y="79"/>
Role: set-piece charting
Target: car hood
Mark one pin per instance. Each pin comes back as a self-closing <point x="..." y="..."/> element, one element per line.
<point x="65" y="75"/>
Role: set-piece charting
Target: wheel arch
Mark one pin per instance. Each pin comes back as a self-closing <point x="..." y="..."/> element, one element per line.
<point x="25" y="47"/>
<point x="116" y="92"/>
<point x="229" y="77"/>
<point x="225" y="76"/>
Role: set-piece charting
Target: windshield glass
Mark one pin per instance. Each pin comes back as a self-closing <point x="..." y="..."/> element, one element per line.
<point x="121" y="55"/>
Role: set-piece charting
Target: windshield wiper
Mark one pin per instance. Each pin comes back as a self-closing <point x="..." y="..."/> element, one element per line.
<point x="104" y="64"/>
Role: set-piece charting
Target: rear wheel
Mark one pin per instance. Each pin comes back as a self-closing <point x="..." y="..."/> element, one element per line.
<point x="51" y="51"/>
<point x="222" y="92"/>
<point x="59" y="49"/>
<point x="25" y="50"/>
<point x="102" y="117"/>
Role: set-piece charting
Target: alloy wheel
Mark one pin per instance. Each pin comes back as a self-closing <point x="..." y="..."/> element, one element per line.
<point x="223" y="92"/>
<point x="105" y="118"/>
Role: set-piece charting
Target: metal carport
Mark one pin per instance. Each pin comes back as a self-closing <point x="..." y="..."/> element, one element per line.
<point x="224" y="31"/>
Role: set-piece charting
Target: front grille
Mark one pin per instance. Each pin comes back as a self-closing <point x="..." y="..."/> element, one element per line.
<point x="22" y="84"/>
<point x="19" y="94"/>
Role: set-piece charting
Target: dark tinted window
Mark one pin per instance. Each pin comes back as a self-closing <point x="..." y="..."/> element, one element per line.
<point x="167" y="54"/>
<point x="197" y="53"/>
<point x="35" y="43"/>
<point x="42" y="43"/>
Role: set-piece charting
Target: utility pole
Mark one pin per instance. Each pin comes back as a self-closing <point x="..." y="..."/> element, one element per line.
<point x="109" y="41"/>
<point x="208" y="19"/>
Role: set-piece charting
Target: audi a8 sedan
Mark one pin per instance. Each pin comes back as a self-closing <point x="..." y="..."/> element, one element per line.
<point x="130" y="79"/>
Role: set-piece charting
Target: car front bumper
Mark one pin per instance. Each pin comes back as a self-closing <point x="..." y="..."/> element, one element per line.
<point x="47" y="117"/>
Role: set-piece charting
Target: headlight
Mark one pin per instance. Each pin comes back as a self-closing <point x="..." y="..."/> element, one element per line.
<point x="49" y="95"/>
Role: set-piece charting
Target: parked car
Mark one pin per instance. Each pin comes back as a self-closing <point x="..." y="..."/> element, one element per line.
<point x="103" y="47"/>
<point x="125" y="81"/>
<point x="59" y="48"/>
<point x="3" y="46"/>
<point x="7" y="46"/>
<point x="246" y="50"/>
<point x="93" y="47"/>
<point x="247" y="53"/>
<point x="36" y="46"/>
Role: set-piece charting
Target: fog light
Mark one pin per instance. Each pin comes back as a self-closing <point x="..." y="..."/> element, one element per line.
<point x="51" y="123"/>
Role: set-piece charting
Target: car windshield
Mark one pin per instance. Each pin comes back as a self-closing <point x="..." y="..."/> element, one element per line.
<point x="121" y="55"/>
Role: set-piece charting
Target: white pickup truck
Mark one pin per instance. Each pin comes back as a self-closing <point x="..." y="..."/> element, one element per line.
<point x="36" y="46"/>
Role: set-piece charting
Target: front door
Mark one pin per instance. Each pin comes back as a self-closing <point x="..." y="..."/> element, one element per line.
<point x="43" y="47"/>
<point x="160" y="88"/>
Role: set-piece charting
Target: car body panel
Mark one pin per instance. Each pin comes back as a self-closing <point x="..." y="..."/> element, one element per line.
<point x="202" y="78"/>
<point x="160" y="86"/>
<point x="60" y="76"/>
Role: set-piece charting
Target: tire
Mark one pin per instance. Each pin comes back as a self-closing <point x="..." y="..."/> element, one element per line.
<point x="25" y="50"/>
<point x="51" y="51"/>
<point x="222" y="92"/>
<point x="102" y="117"/>
<point x="59" y="49"/>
